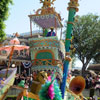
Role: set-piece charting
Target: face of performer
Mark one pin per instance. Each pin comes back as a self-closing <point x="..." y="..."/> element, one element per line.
<point x="51" y="29"/>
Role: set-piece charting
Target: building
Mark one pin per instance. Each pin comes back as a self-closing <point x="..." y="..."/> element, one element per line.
<point x="22" y="58"/>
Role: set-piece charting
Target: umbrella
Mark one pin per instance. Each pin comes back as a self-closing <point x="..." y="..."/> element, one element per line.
<point x="15" y="41"/>
<point x="14" y="45"/>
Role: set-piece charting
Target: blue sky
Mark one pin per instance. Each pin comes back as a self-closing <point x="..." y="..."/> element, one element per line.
<point x="18" y="20"/>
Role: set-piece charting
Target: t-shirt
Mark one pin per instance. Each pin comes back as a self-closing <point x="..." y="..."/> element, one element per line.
<point x="95" y="97"/>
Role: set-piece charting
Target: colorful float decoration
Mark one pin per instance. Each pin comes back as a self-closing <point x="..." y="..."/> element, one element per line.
<point x="49" y="53"/>
<point x="50" y="57"/>
<point x="46" y="16"/>
<point x="6" y="83"/>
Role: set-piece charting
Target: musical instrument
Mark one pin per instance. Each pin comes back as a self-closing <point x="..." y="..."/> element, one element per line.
<point x="77" y="85"/>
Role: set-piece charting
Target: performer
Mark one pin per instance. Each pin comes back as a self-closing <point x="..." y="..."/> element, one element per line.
<point x="51" y="33"/>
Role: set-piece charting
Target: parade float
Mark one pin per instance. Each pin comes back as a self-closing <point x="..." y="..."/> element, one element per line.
<point x="50" y="57"/>
<point x="6" y="83"/>
<point x="7" y="76"/>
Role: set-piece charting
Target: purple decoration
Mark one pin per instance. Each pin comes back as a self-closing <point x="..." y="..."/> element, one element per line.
<point x="43" y="22"/>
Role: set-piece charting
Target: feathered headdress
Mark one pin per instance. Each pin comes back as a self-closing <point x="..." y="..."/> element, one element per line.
<point x="50" y="90"/>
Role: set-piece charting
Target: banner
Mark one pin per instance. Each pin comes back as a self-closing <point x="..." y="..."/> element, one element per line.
<point x="27" y="64"/>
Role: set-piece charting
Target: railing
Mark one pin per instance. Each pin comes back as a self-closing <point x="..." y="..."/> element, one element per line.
<point x="45" y="42"/>
<point x="47" y="62"/>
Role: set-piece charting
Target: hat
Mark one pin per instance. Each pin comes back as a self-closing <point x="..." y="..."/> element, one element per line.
<point x="51" y="27"/>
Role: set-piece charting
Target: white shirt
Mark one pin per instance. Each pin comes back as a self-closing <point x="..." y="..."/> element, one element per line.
<point x="95" y="97"/>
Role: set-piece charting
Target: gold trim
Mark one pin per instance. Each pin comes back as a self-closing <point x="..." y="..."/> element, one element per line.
<point x="70" y="23"/>
<point x="43" y="40"/>
<point x="47" y="3"/>
<point x="68" y="58"/>
<point x="73" y="4"/>
<point x="67" y="53"/>
<point x="71" y="47"/>
<point x="74" y="8"/>
<point x="48" y="62"/>
<point x="40" y="14"/>
<point x="73" y="94"/>
<point x="45" y="43"/>
<point x="68" y="39"/>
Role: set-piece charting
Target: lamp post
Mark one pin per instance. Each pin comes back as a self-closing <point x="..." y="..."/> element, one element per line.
<point x="73" y="4"/>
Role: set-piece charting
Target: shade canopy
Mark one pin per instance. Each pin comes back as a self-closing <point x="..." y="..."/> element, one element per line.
<point x="95" y="67"/>
<point x="14" y="41"/>
<point x="46" y="21"/>
<point x="16" y="47"/>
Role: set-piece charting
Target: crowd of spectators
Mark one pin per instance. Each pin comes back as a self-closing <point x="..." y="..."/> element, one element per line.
<point x="23" y="76"/>
<point x="93" y="84"/>
<point x="92" y="81"/>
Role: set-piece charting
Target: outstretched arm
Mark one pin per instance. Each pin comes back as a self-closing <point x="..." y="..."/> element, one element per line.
<point x="53" y="1"/>
<point x="41" y="1"/>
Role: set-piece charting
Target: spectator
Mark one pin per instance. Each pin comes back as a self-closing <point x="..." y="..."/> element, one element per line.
<point x="16" y="79"/>
<point x="27" y="81"/>
<point x="95" y="97"/>
<point x="90" y="98"/>
<point x="94" y="82"/>
<point x="24" y="73"/>
<point x="87" y="83"/>
<point x="19" y="78"/>
<point x="31" y="79"/>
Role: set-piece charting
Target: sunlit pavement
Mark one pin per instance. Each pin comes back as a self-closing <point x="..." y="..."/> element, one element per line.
<point x="86" y="93"/>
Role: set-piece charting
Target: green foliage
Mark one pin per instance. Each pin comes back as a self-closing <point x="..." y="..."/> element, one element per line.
<point x="87" y="38"/>
<point x="73" y="61"/>
<point x="96" y="59"/>
<point x="4" y="13"/>
<point x="86" y="32"/>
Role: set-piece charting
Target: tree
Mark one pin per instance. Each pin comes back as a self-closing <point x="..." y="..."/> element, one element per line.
<point x="96" y="59"/>
<point x="4" y="13"/>
<point x="87" y="39"/>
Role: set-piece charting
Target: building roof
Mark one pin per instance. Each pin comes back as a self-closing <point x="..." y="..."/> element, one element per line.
<point x="33" y="33"/>
<point x="95" y="67"/>
<point x="24" y="34"/>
